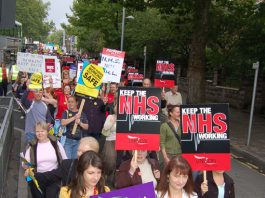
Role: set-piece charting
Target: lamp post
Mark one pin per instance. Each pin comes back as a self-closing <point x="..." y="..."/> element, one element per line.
<point x="144" y="59"/>
<point x="256" y="67"/>
<point x="122" y="26"/>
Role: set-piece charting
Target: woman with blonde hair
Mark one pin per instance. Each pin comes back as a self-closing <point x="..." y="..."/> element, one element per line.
<point x="45" y="153"/>
<point x="65" y="77"/>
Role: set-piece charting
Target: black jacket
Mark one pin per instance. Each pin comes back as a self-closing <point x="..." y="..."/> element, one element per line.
<point x="61" y="176"/>
<point x="212" y="187"/>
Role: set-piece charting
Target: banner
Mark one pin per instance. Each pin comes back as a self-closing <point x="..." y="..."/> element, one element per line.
<point x="31" y="63"/>
<point x="52" y="69"/>
<point x="112" y="62"/>
<point x="205" y="136"/>
<point x="90" y="80"/>
<point x="138" y="191"/>
<point x="164" y="75"/>
<point x="138" y="119"/>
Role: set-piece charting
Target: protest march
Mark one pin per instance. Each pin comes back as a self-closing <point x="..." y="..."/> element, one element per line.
<point x="103" y="129"/>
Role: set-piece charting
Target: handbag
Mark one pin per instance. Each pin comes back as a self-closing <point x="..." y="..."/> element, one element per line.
<point x="106" y="132"/>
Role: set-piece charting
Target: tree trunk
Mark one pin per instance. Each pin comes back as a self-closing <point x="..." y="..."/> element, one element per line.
<point x="196" y="67"/>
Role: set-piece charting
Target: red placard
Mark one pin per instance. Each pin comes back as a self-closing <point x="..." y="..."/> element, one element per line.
<point x="209" y="161"/>
<point x="112" y="52"/>
<point x="164" y="75"/>
<point x="205" y="139"/>
<point x="165" y="67"/>
<point x="50" y="65"/>
<point x="138" y="119"/>
<point x="135" y="76"/>
<point x="137" y="141"/>
<point x="164" y="83"/>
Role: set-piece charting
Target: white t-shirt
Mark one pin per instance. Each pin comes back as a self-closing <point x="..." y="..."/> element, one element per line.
<point x="46" y="156"/>
<point x="108" y="125"/>
<point x="147" y="173"/>
<point x="184" y="194"/>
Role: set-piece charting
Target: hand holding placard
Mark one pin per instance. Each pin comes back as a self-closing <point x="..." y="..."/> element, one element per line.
<point x="79" y="112"/>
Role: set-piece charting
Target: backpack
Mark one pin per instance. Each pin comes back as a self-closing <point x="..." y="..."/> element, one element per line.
<point x="33" y="151"/>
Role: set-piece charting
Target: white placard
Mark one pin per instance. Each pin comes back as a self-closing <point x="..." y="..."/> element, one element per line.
<point x="55" y="73"/>
<point x="30" y="63"/>
<point x="112" y="62"/>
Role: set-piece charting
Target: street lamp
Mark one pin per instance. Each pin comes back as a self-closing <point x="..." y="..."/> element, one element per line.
<point x="122" y="26"/>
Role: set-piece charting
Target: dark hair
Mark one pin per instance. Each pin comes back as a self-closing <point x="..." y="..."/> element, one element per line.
<point x="72" y="96"/>
<point x="170" y="108"/>
<point x="181" y="166"/>
<point x="89" y="158"/>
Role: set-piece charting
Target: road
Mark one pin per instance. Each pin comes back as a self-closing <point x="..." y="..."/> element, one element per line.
<point x="249" y="183"/>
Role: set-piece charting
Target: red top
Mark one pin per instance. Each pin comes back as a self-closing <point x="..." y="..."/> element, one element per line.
<point x="4" y="75"/>
<point x="110" y="97"/>
<point x="30" y="96"/>
<point x="62" y="104"/>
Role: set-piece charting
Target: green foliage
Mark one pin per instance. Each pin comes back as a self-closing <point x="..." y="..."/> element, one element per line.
<point x="56" y="37"/>
<point x="32" y="14"/>
<point x="234" y="41"/>
<point x="92" y="17"/>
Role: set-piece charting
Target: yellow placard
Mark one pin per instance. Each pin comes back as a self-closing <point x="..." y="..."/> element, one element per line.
<point x="84" y="90"/>
<point x="36" y="81"/>
<point x="92" y="76"/>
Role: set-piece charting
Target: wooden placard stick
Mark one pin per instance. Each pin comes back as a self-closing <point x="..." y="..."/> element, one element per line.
<point x="204" y="176"/>
<point x="135" y="155"/>
<point x="79" y="111"/>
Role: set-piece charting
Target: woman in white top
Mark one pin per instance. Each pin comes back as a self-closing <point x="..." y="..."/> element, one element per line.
<point x="176" y="180"/>
<point x="109" y="152"/>
<point x="45" y="154"/>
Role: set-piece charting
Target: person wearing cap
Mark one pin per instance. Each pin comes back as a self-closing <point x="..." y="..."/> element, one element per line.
<point x="37" y="110"/>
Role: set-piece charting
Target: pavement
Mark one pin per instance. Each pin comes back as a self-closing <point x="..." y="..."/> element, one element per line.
<point x="255" y="151"/>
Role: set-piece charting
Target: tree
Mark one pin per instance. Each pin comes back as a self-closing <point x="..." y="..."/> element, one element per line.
<point x="196" y="68"/>
<point x="56" y="37"/>
<point x="94" y="17"/>
<point x="33" y="16"/>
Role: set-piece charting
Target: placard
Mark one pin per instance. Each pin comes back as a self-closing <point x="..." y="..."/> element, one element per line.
<point x="79" y="69"/>
<point x="138" y="191"/>
<point x="31" y="63"/>
<point x="90" y="80"/>
<point x="52" y="69"/>
<point x="164" y="75"/>
<point x="205" y="136"/>
<point x="112" y="62"/>
<point x="72" y="71"/>
<point x="138" y="119"/>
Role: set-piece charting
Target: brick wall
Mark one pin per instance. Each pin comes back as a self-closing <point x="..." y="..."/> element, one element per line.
<point x="238" y="98"/>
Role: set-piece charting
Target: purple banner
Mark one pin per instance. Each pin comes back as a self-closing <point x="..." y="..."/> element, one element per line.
<point x="139" y="191"/>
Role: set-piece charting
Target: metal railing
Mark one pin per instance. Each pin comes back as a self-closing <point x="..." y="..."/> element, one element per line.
<point x="6" y="136"/>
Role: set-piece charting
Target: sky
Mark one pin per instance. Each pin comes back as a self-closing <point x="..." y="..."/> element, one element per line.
<point x="58" y="10"/>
